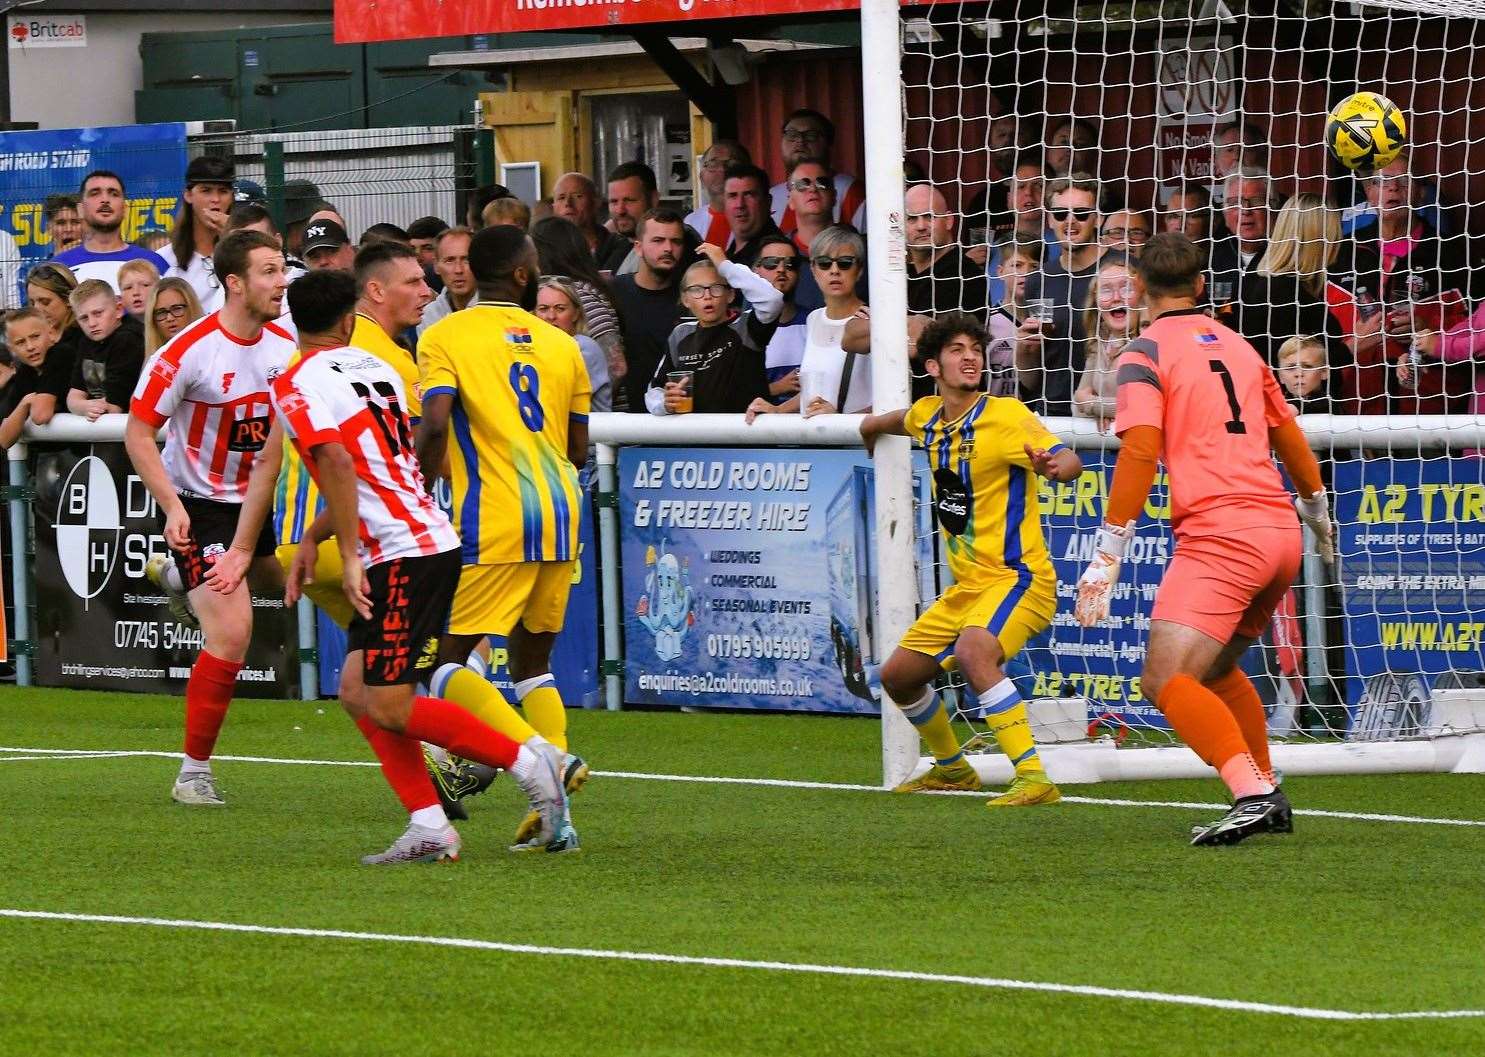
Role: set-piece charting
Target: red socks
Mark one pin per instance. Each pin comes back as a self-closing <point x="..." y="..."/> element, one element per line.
<point x="1237" y="693"/>
<point x="401" y="758"/>
<point x="1202" y="720"/>
<point x="208" y="693"/>
<point x="444" y="723"/>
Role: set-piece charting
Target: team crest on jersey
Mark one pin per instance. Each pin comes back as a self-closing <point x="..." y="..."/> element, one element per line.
<point x="1206" y="337"/>
<point x="518" y="335"/>
<point x="292" y="403"/>
<point x="227" y="381"/>
<point x="164" y="370"/>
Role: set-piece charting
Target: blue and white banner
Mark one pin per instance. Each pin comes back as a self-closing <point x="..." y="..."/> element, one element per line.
<point x="151" y="160"/>
<point x="748" y="578"/>
<point x="1101" y="664"/>
<point x="1412" y="546"/>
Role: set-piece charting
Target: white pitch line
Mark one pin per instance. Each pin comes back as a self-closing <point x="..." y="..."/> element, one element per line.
<point x="655" y="957"/>
<point x="72" y="756"/>
<point x="775" y="783"/>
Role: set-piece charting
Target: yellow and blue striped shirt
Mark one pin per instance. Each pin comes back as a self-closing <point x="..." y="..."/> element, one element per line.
<point x="984" y="490"/>
<point x="296" y="501"/>
<point x="517" y="381"/>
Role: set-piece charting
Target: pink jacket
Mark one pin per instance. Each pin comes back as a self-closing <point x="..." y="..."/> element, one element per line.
<point x="1461" y="344"/>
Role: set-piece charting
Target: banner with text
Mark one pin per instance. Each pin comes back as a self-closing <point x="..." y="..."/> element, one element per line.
<point x="101" y="625"/>
<point x="748" y="578"/>
<point x="150" y="159"/>
<point x="1412" y="546"/>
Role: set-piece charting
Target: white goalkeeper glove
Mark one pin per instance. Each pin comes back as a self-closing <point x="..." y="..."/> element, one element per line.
<point x="1315" y="512"/>
<point x="1098" y="580"/>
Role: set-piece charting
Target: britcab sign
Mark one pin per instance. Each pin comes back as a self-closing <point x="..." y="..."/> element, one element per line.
<point x="364" y="21"/>
<point x="67" y="31"/>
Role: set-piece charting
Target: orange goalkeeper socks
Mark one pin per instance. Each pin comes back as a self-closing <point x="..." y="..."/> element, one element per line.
<point x="1202" y="720"/>
<point x="1237" y="693"/>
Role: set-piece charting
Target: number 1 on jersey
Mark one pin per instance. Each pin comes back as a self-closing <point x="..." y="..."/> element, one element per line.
<point x="1235" y="424"/>
<point x="527" y="385"/>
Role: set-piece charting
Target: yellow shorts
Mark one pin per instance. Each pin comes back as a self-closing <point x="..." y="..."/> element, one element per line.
<point x="1013" y="607"/>
<point x="492" y="598"/>
<point x="325" y="590"/>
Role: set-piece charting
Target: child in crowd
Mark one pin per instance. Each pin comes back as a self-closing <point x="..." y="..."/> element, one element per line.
<point x="1304" y="374"/>
<point x="1017" y="261"/>
<point x="722" y="353"/>
<point x="1111" y="320"/>
<point x="136" y="279"/>
<point x="40" y="381"/>
<point x="110" y="354"/>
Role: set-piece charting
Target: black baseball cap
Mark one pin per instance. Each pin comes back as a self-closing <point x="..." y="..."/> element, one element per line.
<point x="211" y="169"/>
<point x="324" y="235"/>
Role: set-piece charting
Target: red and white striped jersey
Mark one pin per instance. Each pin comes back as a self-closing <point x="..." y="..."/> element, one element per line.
<point x="212" y="388"/>
<point x="348" y="396"/>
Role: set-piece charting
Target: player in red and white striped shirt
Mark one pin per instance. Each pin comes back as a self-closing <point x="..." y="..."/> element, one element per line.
<point x="345" y="411"/>
<point x="208" y="386"/>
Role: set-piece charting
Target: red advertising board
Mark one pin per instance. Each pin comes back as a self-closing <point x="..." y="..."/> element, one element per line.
<point x="364" y="21"/>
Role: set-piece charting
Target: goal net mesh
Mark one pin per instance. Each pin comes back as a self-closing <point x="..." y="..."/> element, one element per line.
<point x="1358" y="287"/>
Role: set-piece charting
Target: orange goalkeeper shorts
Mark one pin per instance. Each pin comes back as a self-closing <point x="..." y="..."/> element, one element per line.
<point x="1229" y="585"/>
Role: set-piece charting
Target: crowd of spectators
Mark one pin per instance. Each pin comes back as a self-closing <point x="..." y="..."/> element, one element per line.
<point x="755" y="300"/>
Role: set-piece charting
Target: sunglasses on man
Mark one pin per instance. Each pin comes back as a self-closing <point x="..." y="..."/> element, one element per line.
<point x="787" y="263"/>
<point x="809" y="183"/>
<point x="1076" y="214"/>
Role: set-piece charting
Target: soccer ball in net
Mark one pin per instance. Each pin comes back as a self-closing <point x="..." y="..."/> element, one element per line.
<point x="1365" y="131"/>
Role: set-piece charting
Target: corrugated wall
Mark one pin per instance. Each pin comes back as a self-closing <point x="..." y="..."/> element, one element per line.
<point x="829" y="82"/>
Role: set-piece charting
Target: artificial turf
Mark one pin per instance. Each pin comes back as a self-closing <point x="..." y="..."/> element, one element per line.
<point x="1344" y="914"/>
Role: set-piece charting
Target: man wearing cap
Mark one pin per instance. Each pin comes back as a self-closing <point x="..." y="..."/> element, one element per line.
<point x="326" y="245"/>
<point x="202" y="222"/>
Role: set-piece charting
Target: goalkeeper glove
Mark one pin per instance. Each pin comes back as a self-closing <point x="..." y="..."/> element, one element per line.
<point x="1098" y="580"/>
<point x="1315" y="512"/>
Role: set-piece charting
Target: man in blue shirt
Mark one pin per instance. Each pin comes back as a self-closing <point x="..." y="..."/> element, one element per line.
<point x="104" y="208"/>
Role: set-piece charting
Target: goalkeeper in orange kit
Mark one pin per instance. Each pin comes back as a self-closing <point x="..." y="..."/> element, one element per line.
<point x="1196" y="395"/>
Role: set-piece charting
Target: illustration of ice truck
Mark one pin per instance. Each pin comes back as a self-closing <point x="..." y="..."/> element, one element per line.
<point x="849" y="519"/>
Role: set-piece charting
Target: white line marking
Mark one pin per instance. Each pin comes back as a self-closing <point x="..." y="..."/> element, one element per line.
<point x="72" y="756"/>
<point x="998" y="983"/>
<point x="775" y="783"/>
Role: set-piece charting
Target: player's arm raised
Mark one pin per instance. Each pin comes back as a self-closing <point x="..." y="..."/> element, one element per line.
<point x="229" y="569"/>
<point x="887" y="424"/>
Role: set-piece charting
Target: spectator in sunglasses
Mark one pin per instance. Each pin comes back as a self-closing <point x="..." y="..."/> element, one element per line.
<point x="941" y="278"/>
<point x="810" y="134"/>
<point x="780" y="263"/>
<point x="811" y="209"/>
<point x="833" y="376"/>
<point x="1052" y="333"/>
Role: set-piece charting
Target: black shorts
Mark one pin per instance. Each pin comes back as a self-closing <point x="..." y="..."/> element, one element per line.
<point x="410" y="603"/>
<point x="213" y="527"/>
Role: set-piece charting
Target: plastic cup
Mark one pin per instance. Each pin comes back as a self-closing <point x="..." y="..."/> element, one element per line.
<point x="1039" y="309"/>
<point x="686" y="380"/>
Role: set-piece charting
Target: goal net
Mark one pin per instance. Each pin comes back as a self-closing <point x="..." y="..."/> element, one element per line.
<point x="1359" y="286"/>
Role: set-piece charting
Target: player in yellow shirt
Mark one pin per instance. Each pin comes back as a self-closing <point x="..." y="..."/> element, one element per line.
<point x="983" y="451"/>
<point x="505" y="406"/>
<point x="392" y="292"/>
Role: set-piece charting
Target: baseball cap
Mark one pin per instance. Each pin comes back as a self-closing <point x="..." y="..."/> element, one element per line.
<point x="324" y="235"/>
<point x="249" y="191"/>
<point x="210" y="169"/>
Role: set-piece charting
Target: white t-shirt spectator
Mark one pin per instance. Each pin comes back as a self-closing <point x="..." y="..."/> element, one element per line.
<point x="202" y="277"/>
<point x="86" y="264"/>
<point x="785" y="352"/>
<point x="825" y="362"/>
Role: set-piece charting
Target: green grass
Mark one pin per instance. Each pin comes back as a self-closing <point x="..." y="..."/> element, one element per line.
<point x="1344" y="915"/>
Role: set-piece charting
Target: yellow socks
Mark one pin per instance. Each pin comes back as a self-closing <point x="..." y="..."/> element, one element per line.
<point x="543" y="707"/>
<point x="1002" y="708"/>
<point x="464" y="688"/>
<point x="928" y="715"/>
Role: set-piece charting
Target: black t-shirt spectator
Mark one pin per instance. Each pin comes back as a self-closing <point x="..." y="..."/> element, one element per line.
<point x="953" y="283"/>
<point x="1275" y="308"/>
<point x="1229" y="272"/>
<point x="727" y="362"/>
<point x="646" y="317"/>
<point x="53" y="377"/>
<point x="1064" y="342"/>
<point x="609" y="244"/>
<point x="110" y="368"/>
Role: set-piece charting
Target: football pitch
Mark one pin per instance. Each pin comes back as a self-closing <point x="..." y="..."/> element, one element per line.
<point x="789" y="909"/>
